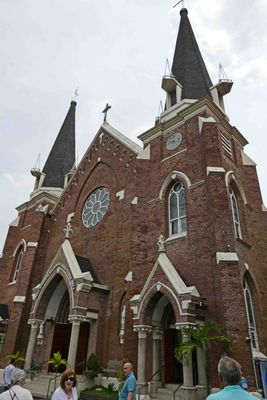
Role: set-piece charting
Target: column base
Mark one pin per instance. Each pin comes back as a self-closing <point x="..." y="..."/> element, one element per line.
<point x="141" y="387"/>
<point x="153" y="386"/>
<point x="188" y="393"/>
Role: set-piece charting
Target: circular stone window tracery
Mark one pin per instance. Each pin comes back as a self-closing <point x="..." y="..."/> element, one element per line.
<point x="95" y="207"/>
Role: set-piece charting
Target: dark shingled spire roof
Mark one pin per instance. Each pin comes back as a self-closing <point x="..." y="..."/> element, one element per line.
<point x="188" y="66"/>
<point x="62" y="156"/>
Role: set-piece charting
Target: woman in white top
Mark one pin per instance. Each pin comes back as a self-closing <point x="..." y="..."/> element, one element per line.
<point x="67" y="389"/>
<point x="17" y="391"/>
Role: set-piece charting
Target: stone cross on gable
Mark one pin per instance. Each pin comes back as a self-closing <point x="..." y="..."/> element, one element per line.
<point x="105" y="111"/>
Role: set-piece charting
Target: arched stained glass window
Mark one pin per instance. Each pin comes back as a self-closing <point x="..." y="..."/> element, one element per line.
<point x="235" y="213"/>
<point x="18" y="264"/>
<point x="250" y="316"/>
<point x="177" y="210"/>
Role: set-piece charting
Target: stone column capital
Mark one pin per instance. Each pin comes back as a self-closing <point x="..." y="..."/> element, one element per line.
<point x="142" y="330"/>
<point x="75" y="319"/>
<point x="157" y="333"/>
<point x="34" y="322"/>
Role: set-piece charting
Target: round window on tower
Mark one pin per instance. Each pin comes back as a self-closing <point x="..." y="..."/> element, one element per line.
<point x="95" y="207"/>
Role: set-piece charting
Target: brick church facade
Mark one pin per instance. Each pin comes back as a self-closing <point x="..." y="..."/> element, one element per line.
<point x="116" y="255"/>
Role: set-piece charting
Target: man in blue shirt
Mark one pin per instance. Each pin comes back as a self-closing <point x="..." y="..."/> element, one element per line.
<point x="229" y="371"/>
<point x="128" y="391"/>
<point x="7" y="373"/>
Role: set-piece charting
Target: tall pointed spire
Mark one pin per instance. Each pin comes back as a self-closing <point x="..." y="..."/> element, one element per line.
<point x="62" y="155"/>
<point x="188" y="66"/>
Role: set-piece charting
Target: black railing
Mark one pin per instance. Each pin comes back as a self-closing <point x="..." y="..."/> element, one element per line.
<point x="35" y="369"/>
<point x="141" y="387"/>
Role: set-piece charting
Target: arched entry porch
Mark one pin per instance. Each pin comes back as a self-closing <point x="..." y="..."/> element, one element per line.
<point x="60" y="320"/>
<point x="164" y="306"/>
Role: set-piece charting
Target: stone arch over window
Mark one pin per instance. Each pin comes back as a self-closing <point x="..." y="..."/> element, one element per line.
<point x="175" y="175"/>
<point x="20" y="250"/>
<point x="251" y="309"/>
<point x="152" y="298"/>
<point x="55" y="281"/>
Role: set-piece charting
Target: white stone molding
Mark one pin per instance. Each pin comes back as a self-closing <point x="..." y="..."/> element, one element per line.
<point x="134" y="200"/>
<point x="215" y="170"/>
<point x="32" y="244"/>
<point x="157" y="333"/>
<point x="145" y="154"/>
<point x="92" y="315"/>
<point x="70" y="273"/>
<point x="174" y="278"/>
<point x="263" y="208"/>
<point x="202" y="120"/>
<point x="129" y="277"/>
<point x="246" y="159"/>
<point x="19" y="299"/>
<point x="226" y="257"/>
<point x="21" y="243"/>
<point x="15" y="222"/>
<point x="173" y="176"/>
<point x="42" y="208"/>
<point x="231" y="176"/>
<point x="120" y="194"/>
<point x="142" y="330"/>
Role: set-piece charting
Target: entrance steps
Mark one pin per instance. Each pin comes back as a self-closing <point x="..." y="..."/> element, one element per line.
<point x="166" y="393"/>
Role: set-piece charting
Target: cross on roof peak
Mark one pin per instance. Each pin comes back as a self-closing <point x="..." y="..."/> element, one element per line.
<point x="180" y="1"/>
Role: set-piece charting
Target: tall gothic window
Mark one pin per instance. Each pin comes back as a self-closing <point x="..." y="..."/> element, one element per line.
<point x="250" y="316"/>
<point x="235" y="213"/>
<point x="177" y="210"/>
<point x="18" y="262"/>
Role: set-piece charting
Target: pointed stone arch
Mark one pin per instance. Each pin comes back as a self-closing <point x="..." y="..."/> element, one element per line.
<point x="150" y="299"/>
<point x="174" y="175"/>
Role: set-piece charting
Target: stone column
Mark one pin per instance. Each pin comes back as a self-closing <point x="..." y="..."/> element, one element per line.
<point x="141" y="364"/>
<point x="187" y="368"/>
<point x="31" y="343"/>
<point x="157" y="338"/>
<point x="74" y="337"/>
<point x="201" y="367"/>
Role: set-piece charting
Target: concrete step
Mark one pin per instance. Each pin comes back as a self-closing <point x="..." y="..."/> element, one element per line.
<point x="166" y="393"/>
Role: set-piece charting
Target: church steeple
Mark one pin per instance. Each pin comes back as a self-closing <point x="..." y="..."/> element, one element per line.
<point x="62" y="155"/>
<point x="189" y="80"/>
<point x="188" y="66"/>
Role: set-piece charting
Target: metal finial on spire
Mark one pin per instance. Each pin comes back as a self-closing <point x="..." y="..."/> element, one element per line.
<point x="76" y="94"/>
<point x="167" y="68"/>
<point x="180" y="1"/>
<point x="105" y="111"/>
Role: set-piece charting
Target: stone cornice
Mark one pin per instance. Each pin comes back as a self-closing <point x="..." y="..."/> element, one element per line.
<point x="193" y="110"/>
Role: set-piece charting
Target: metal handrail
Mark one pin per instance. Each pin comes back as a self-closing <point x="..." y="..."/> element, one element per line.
<point x="35" y="369"/>
<point x="175" y="391"/>
<point x="145" y="384"/>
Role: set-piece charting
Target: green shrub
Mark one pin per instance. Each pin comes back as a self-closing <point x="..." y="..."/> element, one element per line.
<point x="92" y="367"/>
<point x="111" y="387"/>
